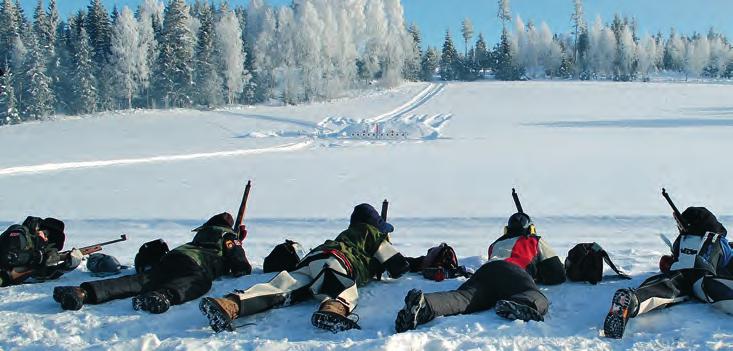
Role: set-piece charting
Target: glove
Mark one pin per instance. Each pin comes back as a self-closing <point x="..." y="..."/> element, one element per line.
<point x="73" y="260"/>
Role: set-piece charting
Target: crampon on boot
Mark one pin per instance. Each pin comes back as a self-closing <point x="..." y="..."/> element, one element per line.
<point x="622" y="305"/>
<point x="70" y="297"/>
<point x="154" y="302"/>
<point x="221" y="312"/>
<point x="513" y="311"/>
<point x="415" y="312"/>
<point x="333" y="316"/>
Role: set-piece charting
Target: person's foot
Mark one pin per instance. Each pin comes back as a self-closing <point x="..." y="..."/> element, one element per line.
<point x="513" y="311"/>
<point x="624" y="301"/>
<point x="415" y="312"/>
<point x="154" y="302"/>
<point x="333" y="315"/>
<point x="220" y="312"/>
<point x="70" y="297"/>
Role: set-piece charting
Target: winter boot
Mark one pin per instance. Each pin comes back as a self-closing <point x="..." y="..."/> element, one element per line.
<point x="415" y="312"/>
<point x="333" y="315"/>
<point x="154" y="302"/>
<point x="221" y="312"/>
<point x="623" y="307"/>
<point x="70" y="297"/>
<point x="512" y="310"/>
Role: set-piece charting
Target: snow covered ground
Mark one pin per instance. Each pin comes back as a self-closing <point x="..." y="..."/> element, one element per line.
<point x="588" y="159"/>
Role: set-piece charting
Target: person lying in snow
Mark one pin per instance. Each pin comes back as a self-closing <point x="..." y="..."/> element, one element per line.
<point x="701" y="266"/>
<point x="331" y="272"/>
<point x="32" y="249"/>
<point x="183" y="274"/>
<point x="507" y="282"/>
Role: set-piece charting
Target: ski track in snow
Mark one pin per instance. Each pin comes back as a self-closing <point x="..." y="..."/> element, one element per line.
<point x="54" y="167"/>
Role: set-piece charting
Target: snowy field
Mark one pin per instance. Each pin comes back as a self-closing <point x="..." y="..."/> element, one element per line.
<point x="588" y="159"/>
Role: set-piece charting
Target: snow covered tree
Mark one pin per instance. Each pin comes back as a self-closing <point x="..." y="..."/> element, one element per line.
<point x="8" y="104"/>
<point x="11" y="45"/>
<point x="506" y="64"/>
<point x="503" y="13"/>
<point x="44" y="30"/>
<point x="126" y="57"/>
<point x="148" y="17"/>
<point x="230" y="46"/>
<point x="38" y="99"/>
<point x="98" y="27"/>
<point x="697" y="56"/>
<point x="674" y="52"/>
<point x="430" y="63"/>
<point x="467" y="31"/>
<point x="449" y="60"/>
<point x="84" y="92"/>
<point x="482" y="54"/>
<point x="174" y="78"/>
<point x="206" y="75"/>
<point x="648" y="54"/>
<point x="414" y="57"/>
<point x="626" y="56"/>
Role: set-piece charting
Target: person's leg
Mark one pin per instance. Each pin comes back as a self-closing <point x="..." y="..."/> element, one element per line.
<point x="338" y="293"/>
<point x="101" y="291"/>
<point x="177" y="280"/>
<point x="656" y="292"/>
<point x="717" y="291"/>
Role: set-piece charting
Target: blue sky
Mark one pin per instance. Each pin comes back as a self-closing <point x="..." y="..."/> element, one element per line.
<point x="435" y="16"/>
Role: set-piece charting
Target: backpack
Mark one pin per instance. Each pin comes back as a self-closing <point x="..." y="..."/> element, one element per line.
<point x="439" y="263"/>
<point x="585" y="263"/>
<point x="150" y="255"/>
<point x="284" y="257"/>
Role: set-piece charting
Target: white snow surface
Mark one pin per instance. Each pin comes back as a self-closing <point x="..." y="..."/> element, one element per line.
<point x="588" y="159"/>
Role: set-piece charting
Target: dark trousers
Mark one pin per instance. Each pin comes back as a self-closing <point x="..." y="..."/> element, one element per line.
<point x="494" y="281"/>
<point x="178" y="275"/>
<point x="664" y="290"/>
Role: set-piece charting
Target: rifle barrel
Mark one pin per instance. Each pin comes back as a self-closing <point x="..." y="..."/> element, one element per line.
<point x="516" y="201"/>
<point x="385" y="208"/>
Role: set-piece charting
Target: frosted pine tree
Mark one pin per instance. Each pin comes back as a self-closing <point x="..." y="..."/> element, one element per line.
<point x="504" y="13"/>
<point x="674" y="52"/>
<point x="8" y="104"/>
<point x="99" y="29"/>
<point x="38" y="99"/>
<point x="9" y="33"/>
<point x="506" y="64"/>
<point x="481" y="51"/>
<point x="148" y="14"/>
<point x="174" y="78"/>
<point x="229" y="43"/>
<point x="125" y="56"/>
<point x="83" y="89"/>
<point x="449" y="59"/>
<point x="467" y="31"/>
<point x="412" y="63"/>
<point x="208" y="82"/>
<point x="430" y="63"/>
<point x="697" y="56"/>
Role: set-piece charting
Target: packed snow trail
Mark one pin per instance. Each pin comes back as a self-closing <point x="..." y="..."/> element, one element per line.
<point x="421" y="98"/>
<point x="55" y="167"/>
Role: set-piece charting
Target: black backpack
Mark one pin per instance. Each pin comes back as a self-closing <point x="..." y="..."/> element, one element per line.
<point x="585" y="263"/>
<point x="150" y="255"/>
<point x="284" y="257"/>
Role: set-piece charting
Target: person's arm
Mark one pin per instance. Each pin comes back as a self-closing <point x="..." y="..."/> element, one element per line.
<point x="393" y="262"/>
<point x="550" y="270"/>
<point x="235" y="257"/>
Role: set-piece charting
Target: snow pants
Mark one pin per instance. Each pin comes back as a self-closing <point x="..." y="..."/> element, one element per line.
<point x="179" y="275"/>
<point x="324" y="276"/>
<point x="494" y="281"/>
<point x="677" y="286"/>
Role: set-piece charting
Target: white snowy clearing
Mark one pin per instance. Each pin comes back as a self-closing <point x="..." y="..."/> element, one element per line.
<point x="588" y="160"/>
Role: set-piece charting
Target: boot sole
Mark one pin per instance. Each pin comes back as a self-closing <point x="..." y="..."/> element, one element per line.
<point x="511" y="310"/>
<point x="407" y="316"/>
<point x="615" y="323"/>
<point x="332" y="322"/>
<point x="219" y="321"/>
<point x="65" y="296"/>
<point x="148" y="304"/>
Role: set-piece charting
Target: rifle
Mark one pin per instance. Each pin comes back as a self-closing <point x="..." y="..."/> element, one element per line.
<point x="516" y="201"/>
<point x="86" y="250"/>
<point x="242" y="208"/>
<point x="385" y="208"/>
<point x="675" y="211"/>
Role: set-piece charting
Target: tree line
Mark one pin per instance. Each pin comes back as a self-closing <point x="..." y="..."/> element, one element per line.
<point x="194" y="55"/>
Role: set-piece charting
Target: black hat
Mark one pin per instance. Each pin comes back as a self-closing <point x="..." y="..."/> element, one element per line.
<point x="519" y="224"/>
<point x="700" y="221"/>
<point x="365" y="213"/>
<point x="223" y="219"/>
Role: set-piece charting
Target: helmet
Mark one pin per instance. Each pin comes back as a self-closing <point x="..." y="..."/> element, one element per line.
<point x="519" y="224"/>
